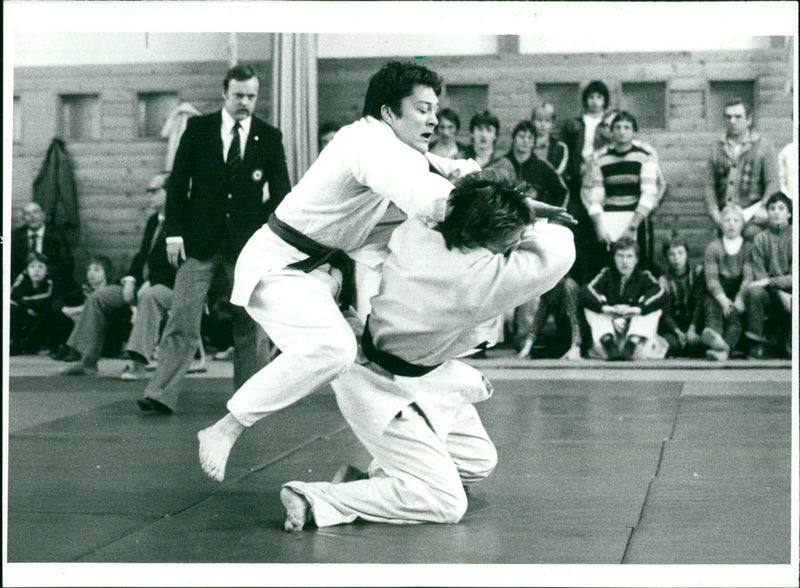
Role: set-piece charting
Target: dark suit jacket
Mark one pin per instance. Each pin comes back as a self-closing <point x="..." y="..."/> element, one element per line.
<point x="212" y="212"/>
<point x="572" y="135"/>
<point x="54" y="246"/>
<point x="161" y="272"/>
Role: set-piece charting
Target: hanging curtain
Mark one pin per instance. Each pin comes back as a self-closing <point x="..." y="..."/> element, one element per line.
<point x="294" y="98"/>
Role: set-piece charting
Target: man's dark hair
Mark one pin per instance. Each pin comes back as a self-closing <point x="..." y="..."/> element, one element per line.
<point x="748" y="110"/>
<point x="624" y="243"/>
<point x="484" y="119"/>
<point x="780" y="197"/>
<point x="523" y="125"/>
<point x="672" y="243"/>
<point x="483" y="207"/>
<point x="393" y="82"/>
<point x="595" y="86"/>
<point x="327" y="127"/>
<point x="450" y="115"/>
<point x="240" y="73"/>
<point x="625" y="115"/>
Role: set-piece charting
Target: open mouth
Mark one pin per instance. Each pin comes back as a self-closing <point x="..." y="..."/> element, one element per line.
<point x="427" y="136"/>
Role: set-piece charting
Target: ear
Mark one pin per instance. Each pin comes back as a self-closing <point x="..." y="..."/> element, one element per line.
<point x="387" y="114"/>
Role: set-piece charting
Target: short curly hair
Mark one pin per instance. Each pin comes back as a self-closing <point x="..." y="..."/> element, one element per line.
<point x="393" y="82"/>
<point x="483" y="207"/>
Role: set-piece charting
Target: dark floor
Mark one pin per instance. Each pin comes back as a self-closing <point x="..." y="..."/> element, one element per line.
<point x="627" y="469"/>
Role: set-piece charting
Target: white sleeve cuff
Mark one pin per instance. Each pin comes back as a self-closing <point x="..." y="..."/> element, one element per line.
<point x="177" y="239"/>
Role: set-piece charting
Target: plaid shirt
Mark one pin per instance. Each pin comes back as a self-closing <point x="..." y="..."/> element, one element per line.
<point x="744" y="178"/>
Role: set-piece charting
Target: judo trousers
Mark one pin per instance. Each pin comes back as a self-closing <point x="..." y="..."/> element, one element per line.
<point x="415" y="475"/>
<point x="300" y="315"/>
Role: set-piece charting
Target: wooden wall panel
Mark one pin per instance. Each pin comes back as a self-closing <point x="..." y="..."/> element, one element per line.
<point x="112" y="172"/>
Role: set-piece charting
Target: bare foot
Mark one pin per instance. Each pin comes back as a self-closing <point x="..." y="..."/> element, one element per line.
<point x="215" y="445"/>
<point x="572" y="354"/>
<point x="297" y="510"/>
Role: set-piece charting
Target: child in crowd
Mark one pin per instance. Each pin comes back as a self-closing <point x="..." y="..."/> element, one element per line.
<point x="34" y="322"/>
<point x="623" y="306"/>
<point x="726" y="283"/>
<point x="99" y="274"/>
<point x="681" y="322"/>
<point x="769" y="294"/>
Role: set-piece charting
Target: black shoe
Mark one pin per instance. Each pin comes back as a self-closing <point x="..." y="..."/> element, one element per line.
<point x="610" y="347"/>
<point x="628" y="350"/>
<point x="70" y="356"/>
<point x="147" y="404"/>
<point x="756" y="351"/>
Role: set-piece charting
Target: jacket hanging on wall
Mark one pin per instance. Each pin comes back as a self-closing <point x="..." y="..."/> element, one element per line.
<point x="54" y="188"/>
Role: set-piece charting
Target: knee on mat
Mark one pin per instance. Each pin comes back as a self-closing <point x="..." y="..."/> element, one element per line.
<point x="451" y="507"/>
<point x="485" y="466"/>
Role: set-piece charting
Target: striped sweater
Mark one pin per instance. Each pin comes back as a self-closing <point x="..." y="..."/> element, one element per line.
<point x="622" y="181"/>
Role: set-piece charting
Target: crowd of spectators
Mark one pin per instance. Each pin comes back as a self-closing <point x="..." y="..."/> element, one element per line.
<point x="620" y="301"/>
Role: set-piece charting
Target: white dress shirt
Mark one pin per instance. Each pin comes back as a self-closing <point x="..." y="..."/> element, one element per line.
<point x="226" y="131"/>
<point x="39" y="237"/>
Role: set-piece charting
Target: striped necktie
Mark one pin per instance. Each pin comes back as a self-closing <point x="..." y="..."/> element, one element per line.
<point x="234" y="159"/>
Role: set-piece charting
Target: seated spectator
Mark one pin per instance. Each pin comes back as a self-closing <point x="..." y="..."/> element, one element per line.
<point x="681" y="323"/>
<point x="562" y="303"/>
<point x="623" y="305"/>
<point x="521" y="163"/>
<point x="154" y="275"/>
<point x="326" y="133"/>
<point x="769" y="294"/>
<point x="35" y="235"/>
<point x="724" y="268"/>
<point x="621" y="190"/>
<point x="742" y="170"/>
<point x="35" y="323"/>
<point x="444" y="143"/>
<point x="546" y="147"/>
<point x="484" y="129"/>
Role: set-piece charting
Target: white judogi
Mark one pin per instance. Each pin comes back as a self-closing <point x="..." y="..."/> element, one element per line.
<point x="363" y="176"/>
<point x="424" y="434"/>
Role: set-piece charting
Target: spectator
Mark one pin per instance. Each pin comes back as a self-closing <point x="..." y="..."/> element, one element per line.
<point x="561" y="302"/>
<point x="484" y="129"/>
<point x="521" y="163"/>
<point x="742" y="170"/>
<point x="153" y="275"/>
<point x="34" y="321"/>
<point x="681" y="322"/>
<point x="445" y="143"/>
<point x="35" y="235"/>
<point x="326" y="132"/>
<point x="622" y="190"/>
<point x="546" y="147"/>
<point x="769" y="294"/>
<point x="787" y="170"/>
<point x="579" y="136"/>
<point x="623" y="305"/>
<point x="724" y="269"/>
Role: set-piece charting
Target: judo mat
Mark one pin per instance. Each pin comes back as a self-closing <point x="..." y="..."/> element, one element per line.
<point x="613" y="467"/>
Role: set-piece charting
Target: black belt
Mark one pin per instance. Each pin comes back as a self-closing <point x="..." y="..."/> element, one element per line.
<point x="389" y="362"/>
<point x="318" y="255"/>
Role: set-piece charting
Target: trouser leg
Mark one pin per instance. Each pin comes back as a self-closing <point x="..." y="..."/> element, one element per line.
<point x="181" y="336"/>
<point x="299" y="314"/>
<point x="252" y="347"/>
<point x="756" y="304"/>
<point x="600" y="325"/>
<point x="469" y="446"/>
<point x="152" y="307"/>
<point x="417" y="480"/>
<point x="89" y="333"/>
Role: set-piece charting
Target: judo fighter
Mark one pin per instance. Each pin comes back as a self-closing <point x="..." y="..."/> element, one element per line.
<point x="407" y="400"/>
